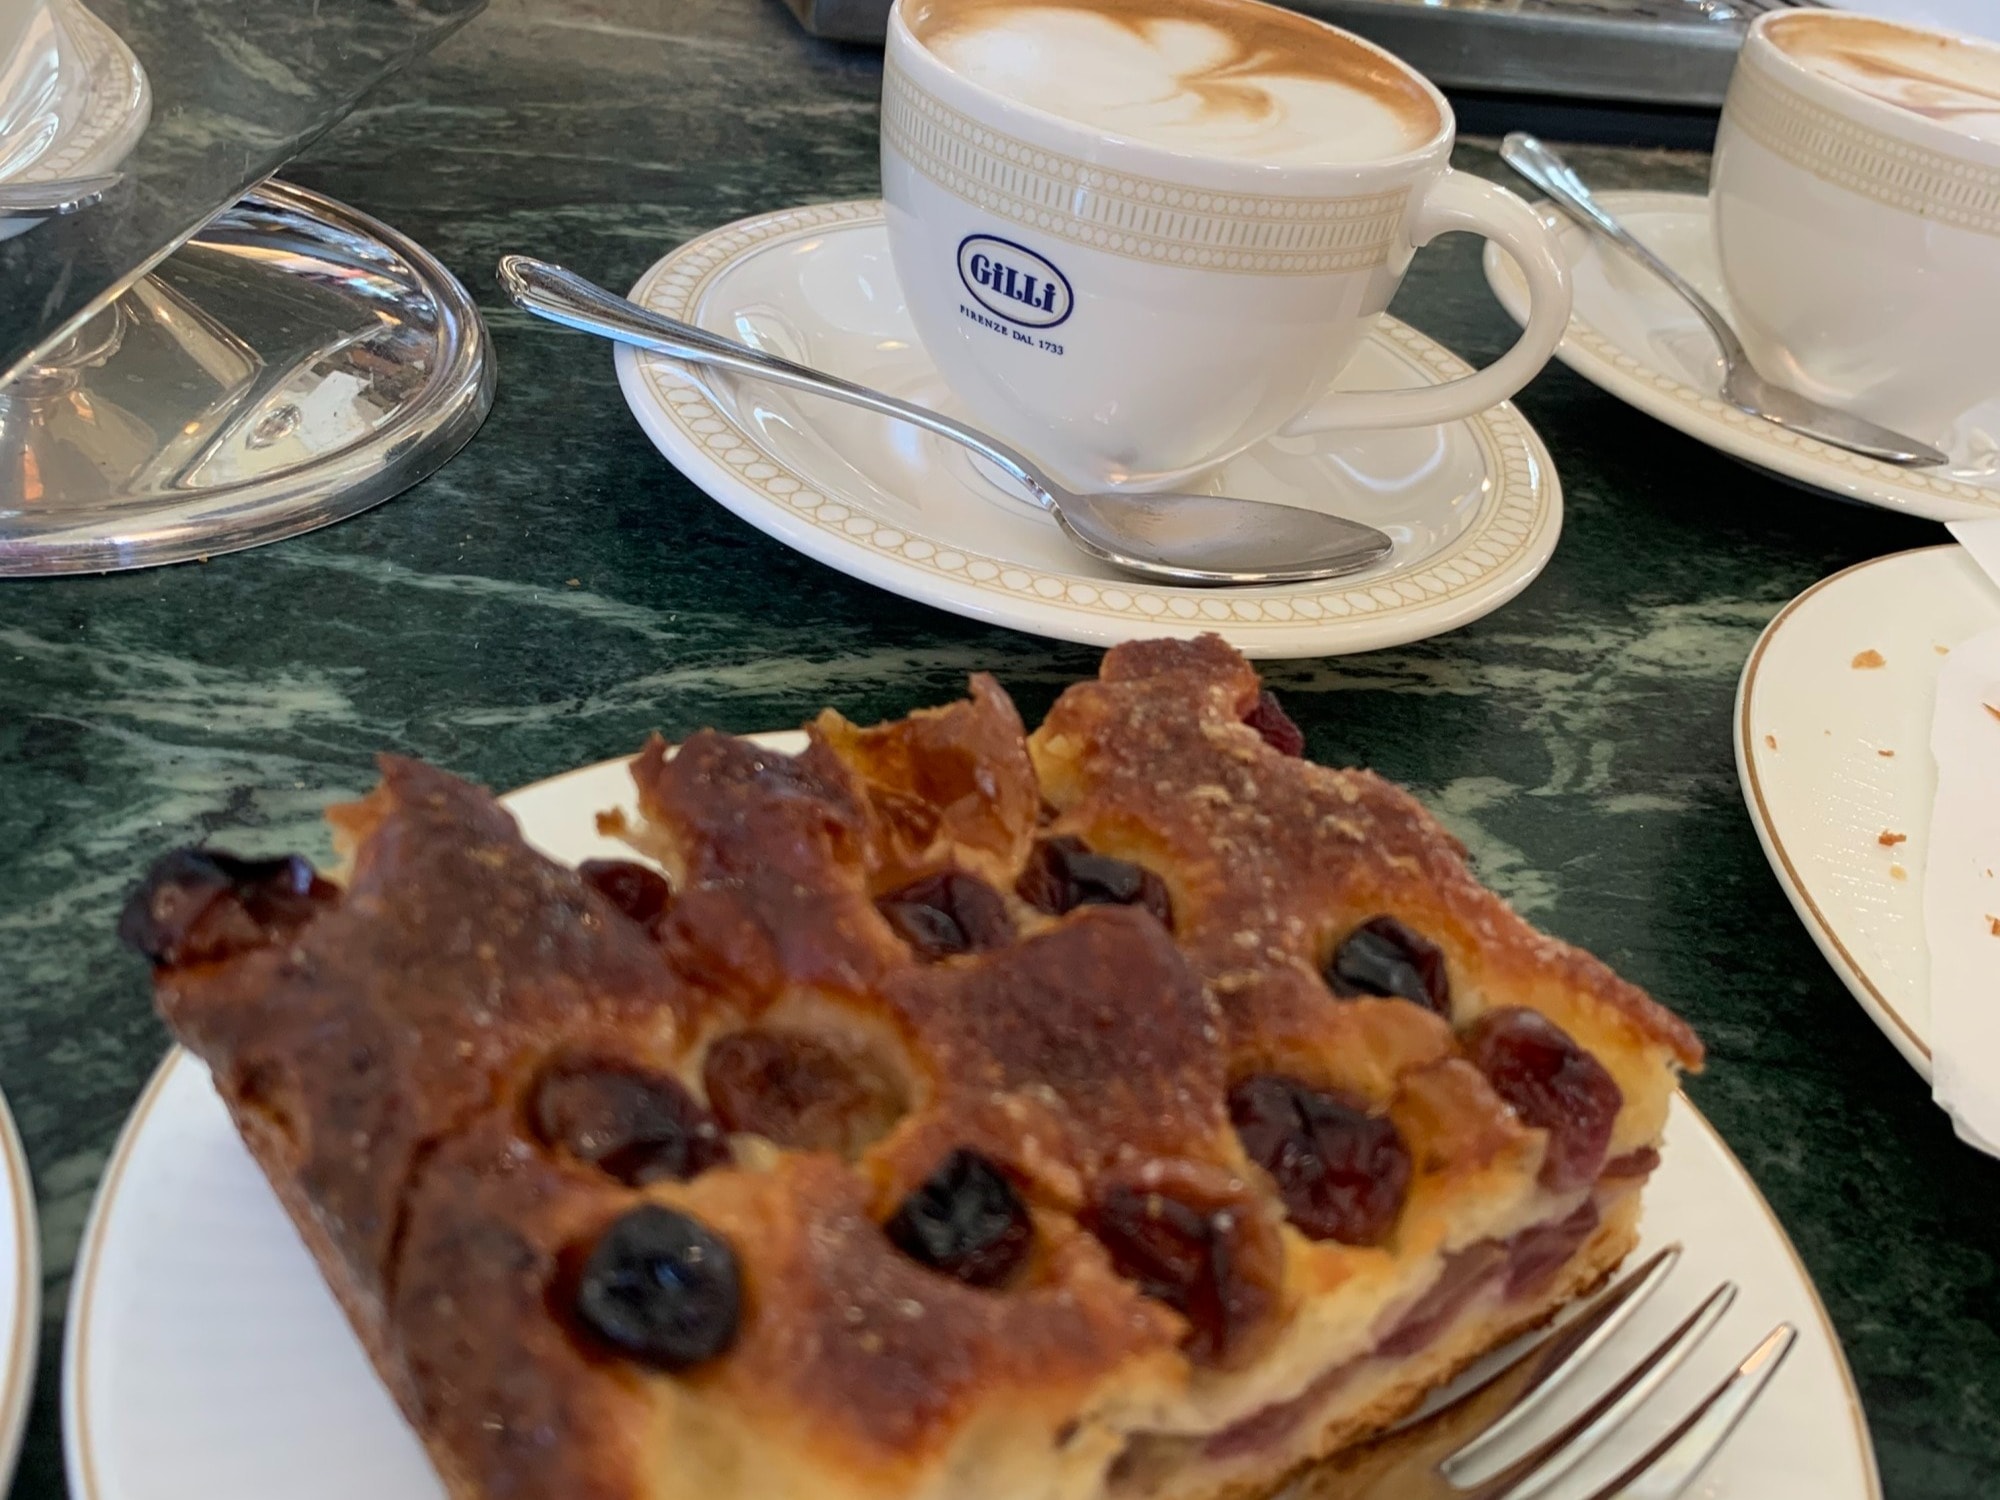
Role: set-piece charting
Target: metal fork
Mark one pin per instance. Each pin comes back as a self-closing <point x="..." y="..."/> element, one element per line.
<point x="1427" y="1459"/>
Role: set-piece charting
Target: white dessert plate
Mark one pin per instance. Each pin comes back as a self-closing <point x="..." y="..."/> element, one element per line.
<point x="1633" y="337"/>
<point x="73" y="98"/>
<point x="1474" y="506"/>
<point x="1835" y="758"/>
<point x="206" y="1360"/>
<point x="20" y="1293"/>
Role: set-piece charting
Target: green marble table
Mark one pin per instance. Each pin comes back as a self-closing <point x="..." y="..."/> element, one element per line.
<point x="558" y="590"/>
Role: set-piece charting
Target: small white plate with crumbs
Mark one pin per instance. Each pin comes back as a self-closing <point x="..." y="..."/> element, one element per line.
<point x="1833" y="728"/>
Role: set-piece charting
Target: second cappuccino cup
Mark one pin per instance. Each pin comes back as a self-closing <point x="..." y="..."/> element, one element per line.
<point x="1856" y="203"/>
<point x="1137" y="241"/>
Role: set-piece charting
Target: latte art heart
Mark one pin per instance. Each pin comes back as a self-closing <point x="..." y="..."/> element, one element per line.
<point x="1206" y="77"/>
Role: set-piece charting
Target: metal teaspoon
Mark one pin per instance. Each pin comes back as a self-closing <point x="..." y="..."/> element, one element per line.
<point x="1742" y="387"/>
<point x="1181" y="538"/>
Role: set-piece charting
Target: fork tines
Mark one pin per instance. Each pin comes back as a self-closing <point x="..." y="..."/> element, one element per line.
<point x="1430" y="1459"/>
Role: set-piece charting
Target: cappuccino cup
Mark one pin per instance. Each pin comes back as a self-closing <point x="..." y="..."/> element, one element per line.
<point x="1856" y="202"/>
<point x="1138" y="236"/>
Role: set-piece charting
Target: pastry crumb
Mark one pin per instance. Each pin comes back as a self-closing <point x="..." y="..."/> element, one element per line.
<point x="1770" y="742"/>
<point x="1889" y="840"/>
<point x="1991" y="710"/>
<point x="1942" y="650"/>
<point x="1868" y="660"/>
<point x="1993" y="925"/>
<point x="1897" y="872"/>
<point x="1886" y="754"/>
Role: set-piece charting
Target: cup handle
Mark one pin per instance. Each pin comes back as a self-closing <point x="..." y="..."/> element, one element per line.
<point x="1460" y="201"/>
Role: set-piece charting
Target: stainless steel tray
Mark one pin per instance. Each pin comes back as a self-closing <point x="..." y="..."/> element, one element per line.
<point x="1652" y="52"/>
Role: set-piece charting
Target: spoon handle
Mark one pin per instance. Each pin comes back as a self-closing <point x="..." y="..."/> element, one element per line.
<point x="562" y="296"/>
<point x="1546" y="170"/>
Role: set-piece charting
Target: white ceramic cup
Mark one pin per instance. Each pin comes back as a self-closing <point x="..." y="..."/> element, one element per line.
<point x="1130" y="314"/>
<point x="1859" y="239"/>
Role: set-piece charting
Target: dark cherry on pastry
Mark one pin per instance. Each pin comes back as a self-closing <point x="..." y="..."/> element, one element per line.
<point x="1554" y="1084"/>
<point x="661" y="1289"/>
<point x="1342" y="1172"/>
<point x="1271" y="721"/>
<point x="1063" y="874"/>
<point x="634" y="1126"/>
<point x="1213" y="1261"/>
<point x="1383" y="957"/>
<point x="966" y="1220"/>
<point x="641" y="893"/>
<point x="201" y="905"/>
<point x="946" y="914"/>
<point x="799" y="1090"/>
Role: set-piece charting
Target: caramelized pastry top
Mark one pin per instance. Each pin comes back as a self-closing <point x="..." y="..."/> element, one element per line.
<point x="956" y="1082"/>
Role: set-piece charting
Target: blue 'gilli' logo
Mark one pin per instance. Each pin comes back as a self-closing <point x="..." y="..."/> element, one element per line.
<point x="1012" y="282"/>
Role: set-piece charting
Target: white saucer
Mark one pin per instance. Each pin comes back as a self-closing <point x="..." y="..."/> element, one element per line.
<point x="1632" y="336"/>
<point x="207" y="1361"/>
<point x="1810" y="732"/>
<point x="1474" y="507"/>
<point x="20" y="1293"/>
<point x="73" y="101"/>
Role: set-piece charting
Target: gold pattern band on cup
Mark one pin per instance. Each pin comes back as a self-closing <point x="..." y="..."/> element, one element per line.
<point x="1139" y="217"/>
<point x="1834" y="148"/>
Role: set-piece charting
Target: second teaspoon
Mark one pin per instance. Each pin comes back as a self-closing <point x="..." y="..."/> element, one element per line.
<point x="1209" y="540"/>
<point x="1742" y="387"/>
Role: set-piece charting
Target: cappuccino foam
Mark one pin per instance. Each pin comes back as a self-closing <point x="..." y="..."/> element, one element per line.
<point x="1953" y="81"/>
<point x="1228" y="78"/>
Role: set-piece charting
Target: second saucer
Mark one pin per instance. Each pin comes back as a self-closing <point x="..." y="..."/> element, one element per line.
<point x="1633" y="336"/>
<point x="1474" y="506"/>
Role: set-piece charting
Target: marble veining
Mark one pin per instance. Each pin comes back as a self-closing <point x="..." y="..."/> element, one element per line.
<point x="557" y="591"/>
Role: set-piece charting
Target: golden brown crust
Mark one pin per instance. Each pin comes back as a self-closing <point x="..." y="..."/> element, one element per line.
<point x="381" y="1060"/>
<point x="455" y="959"/>
<point x="1272" y="859"/>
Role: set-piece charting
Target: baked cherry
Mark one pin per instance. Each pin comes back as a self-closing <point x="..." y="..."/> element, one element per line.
<point x="1538" y="1252"/>
<point x="965" y="1220"/>
<point x="1639" y="1163"/>
<point x="948" y="913"/>
<point x="661" y="1288"/>
<point x="635" y="1126"/>
<point x="1062" y="874"/>
<point x="1553" y="1084"/>
<point x="799" y="1091"/>
<point x="1342" y="1172"/>
<point x="640" y="893"/>
<point x="1383" y="957"/>
<point x="1268" y="717"/>
<point x="202" y="906"/>
<point x="1214" y="1263"/>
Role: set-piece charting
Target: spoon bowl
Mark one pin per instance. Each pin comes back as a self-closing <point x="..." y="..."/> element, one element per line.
<point x="1204" y="540"/>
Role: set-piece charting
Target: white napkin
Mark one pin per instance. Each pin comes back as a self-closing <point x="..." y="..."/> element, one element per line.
<point x="1962" y="873"/>
<point x="1971" y="17"/>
